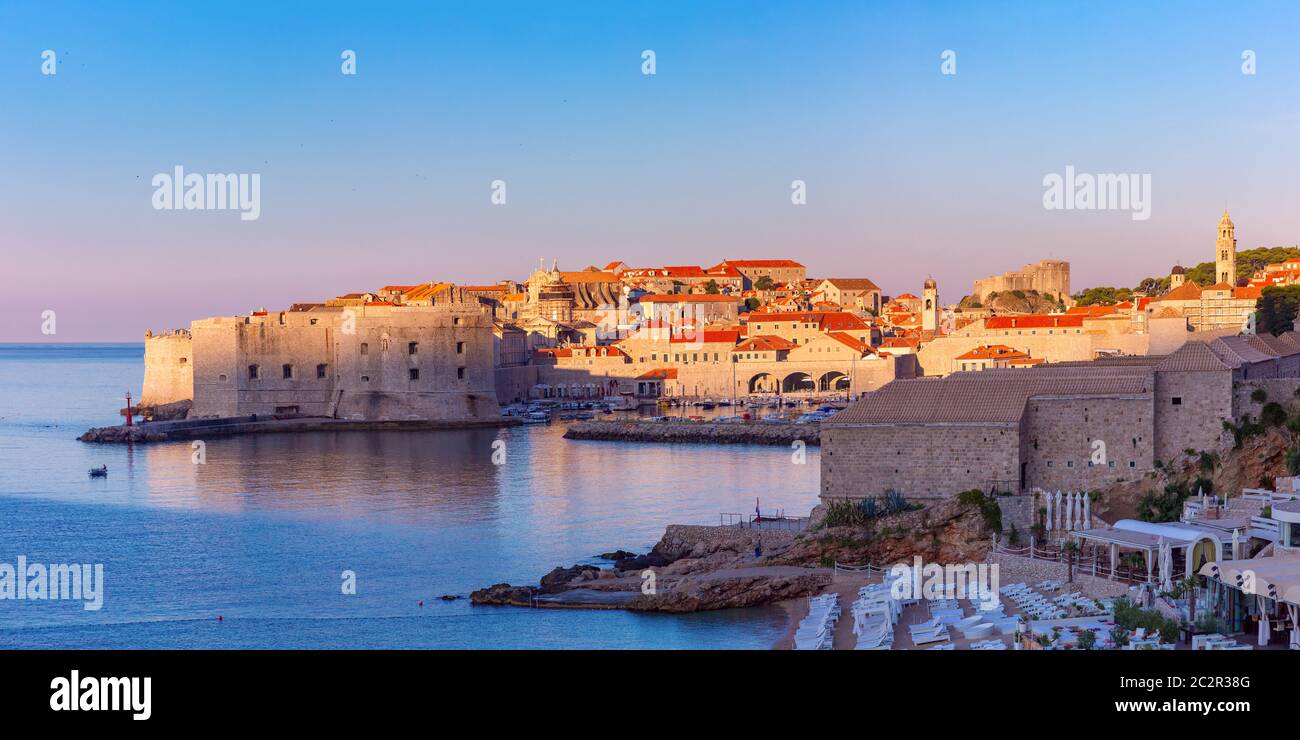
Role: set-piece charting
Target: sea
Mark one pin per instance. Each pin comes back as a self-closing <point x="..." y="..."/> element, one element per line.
<point x="345" y="539"/>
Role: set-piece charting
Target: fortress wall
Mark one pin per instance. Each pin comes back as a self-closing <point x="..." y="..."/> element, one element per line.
<point x="1059" y="435"/>
<point x="329" y="376"/>
<point x="1195" y="422"/>
<point x="168" y="368"/>
<point x="921" y="461"/>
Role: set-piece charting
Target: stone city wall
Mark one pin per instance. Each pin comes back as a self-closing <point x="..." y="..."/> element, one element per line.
<point x="920" y="461"/>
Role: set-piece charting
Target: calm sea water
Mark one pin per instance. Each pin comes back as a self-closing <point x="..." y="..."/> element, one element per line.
<point x="262" y="532"/>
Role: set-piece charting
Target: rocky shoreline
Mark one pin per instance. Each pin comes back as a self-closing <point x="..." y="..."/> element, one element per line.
<point x="703" y="568"/>
<point x="703" y="432"/>
<point x="694" y="569"/>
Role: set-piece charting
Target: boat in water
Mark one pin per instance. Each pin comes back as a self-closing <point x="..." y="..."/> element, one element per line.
<point x="99" y="472"/>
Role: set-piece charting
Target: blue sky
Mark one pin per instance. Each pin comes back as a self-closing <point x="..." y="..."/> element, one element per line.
<point x="384" y="177"/>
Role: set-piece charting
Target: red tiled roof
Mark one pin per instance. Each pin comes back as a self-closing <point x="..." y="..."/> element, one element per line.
<point x="758" y="263"/>
<point x="1032" y="321"/>
<point x="853" y="283"/>
<point x="825" y="320"/>
<point x="666" y="373"/>
<point x="729" y="336"/>
<point x="992" y="352"/>
<point x="688" y="298"/>
<point x="765" y="343"/>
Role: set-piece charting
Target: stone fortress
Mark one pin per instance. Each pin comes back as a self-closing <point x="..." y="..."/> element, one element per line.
<point x="1048" y="277"/>
<point x="370" y="362"/>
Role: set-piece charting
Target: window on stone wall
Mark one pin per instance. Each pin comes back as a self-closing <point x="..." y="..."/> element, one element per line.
<point x="252" y="372"/>
<point x="460" y="348"/>
<point x="1177" y="400"/>
<point x="287" y="371"/>
<point x="320" y="370"/>
<point x="413" y="348"/>
<point x="183" y="360"/>
<point x="365" y="348"/>
<point x="413" y="373"/>
<point x="1069" y="463"/>
<point x="460" y="373"/>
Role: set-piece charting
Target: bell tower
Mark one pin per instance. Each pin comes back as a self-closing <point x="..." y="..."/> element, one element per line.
<point x="1225" y="251"/>
<point x="930" y="306"/>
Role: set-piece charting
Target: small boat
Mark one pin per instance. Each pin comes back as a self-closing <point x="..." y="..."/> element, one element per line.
<point x="99" y="472"/>
<point x="537" y="417"/>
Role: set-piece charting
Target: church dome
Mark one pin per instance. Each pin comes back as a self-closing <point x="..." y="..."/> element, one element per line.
<point x="1178" y="270"/>
<point x="930" y="284"/>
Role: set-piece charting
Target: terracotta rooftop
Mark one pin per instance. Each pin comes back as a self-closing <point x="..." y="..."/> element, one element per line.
<point x="992" y="352"/>
<point x="1032" y="321"/>
<point x="853" y="283"/>
<point x="765" y="343"/>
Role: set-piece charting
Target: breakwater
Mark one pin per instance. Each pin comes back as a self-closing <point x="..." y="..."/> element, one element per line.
<point x="200" y="428"/>
<point x="761" y="433"/>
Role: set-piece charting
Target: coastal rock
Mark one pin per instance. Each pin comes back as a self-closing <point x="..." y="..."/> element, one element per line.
<point x="503" y="594"/>
<point x="560" y="579"/>
<point x="173" y="411"/>
<point x="118" y="434"/>
<point x="709" y="593"/>
<point x="617" y="555"/>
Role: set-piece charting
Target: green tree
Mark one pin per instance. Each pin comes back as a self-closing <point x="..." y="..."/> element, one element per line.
<point x="763" y="283"/>
<point x="711" y="287"/>
<point x="1277" y="309"/>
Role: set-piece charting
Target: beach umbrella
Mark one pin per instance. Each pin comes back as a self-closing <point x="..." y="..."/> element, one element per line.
<point x="1069" y="511"/>
<point x="1236" y="544"/>
<point x="1058" y="510"/>
<point x="1087" y="511"/>
<point x="1048" y="517"/>
<point x="1263" y="621"/>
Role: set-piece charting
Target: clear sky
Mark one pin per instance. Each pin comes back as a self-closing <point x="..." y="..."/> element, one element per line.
<point x="385" y="177"/>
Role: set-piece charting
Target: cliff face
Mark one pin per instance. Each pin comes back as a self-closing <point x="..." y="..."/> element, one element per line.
<point x="946" y="532"/>
<point x="1255" y="464"/>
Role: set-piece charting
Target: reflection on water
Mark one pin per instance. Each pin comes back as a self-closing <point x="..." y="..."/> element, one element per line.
<point x="263" y="529"/>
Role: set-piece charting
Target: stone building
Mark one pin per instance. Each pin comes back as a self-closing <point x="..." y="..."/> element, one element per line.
<point x="1067" y="426"/>
<point x="373" y="362"/>
<point x="1048" y="277"/>
<point x="778" y="271"/>
<point x="853" y="294"/>
<point x="168" y="368"/>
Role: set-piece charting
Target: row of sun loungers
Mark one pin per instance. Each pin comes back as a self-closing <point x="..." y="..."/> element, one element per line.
<point x="875" y="612"/>
<point x="1216" y="641"/>
<point x="817" y="630"/>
